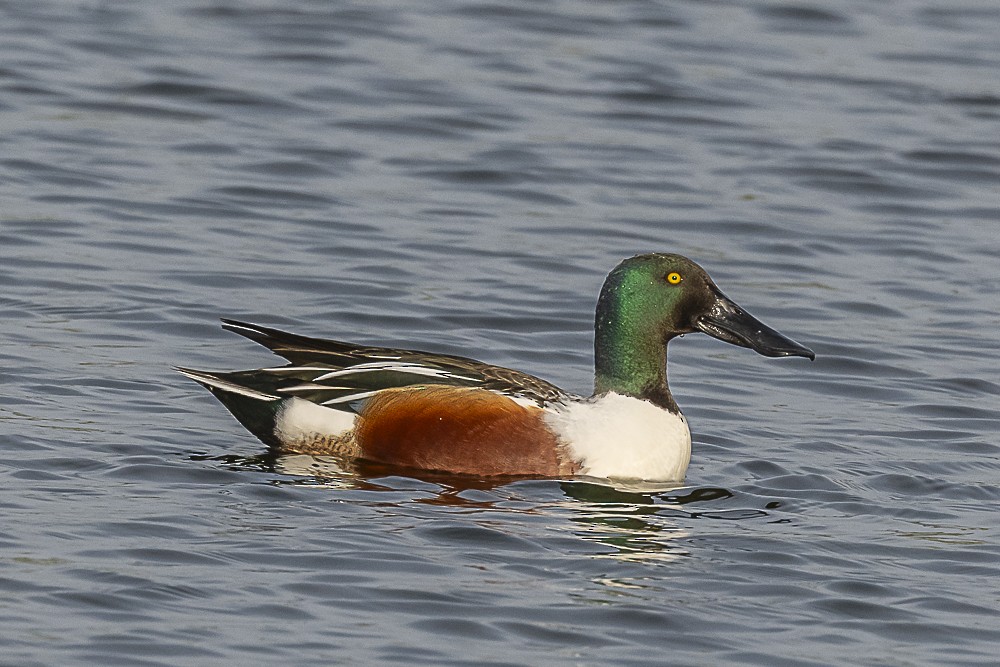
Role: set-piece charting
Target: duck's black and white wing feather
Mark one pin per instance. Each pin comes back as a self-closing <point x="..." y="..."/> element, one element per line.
<point x="336" y="373"/>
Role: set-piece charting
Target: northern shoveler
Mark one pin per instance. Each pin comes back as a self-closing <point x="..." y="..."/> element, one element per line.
<point x="452" y="414"/>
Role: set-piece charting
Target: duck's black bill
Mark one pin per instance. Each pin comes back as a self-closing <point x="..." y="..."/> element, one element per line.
<point x="728" y="322"/>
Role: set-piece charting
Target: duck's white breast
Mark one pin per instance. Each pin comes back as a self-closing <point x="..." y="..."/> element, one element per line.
<point x="623" y="437"/>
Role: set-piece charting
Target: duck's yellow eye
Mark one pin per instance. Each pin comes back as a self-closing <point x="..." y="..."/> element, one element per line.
<point x="674" y="278"/>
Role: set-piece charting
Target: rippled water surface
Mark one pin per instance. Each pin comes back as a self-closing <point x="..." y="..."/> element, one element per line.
<point x="460" y="177"/>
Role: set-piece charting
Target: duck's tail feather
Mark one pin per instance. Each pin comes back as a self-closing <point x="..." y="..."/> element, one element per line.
<point x="256" y="410"/>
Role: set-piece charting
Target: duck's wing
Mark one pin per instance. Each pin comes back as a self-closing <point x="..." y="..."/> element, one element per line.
<point x="336" y="373"/>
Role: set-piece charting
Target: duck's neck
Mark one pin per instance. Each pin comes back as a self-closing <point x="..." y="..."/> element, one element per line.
<point x="630" y="356"/>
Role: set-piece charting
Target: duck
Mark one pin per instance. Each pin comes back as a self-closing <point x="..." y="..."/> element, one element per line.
<point x="450" y="414"/>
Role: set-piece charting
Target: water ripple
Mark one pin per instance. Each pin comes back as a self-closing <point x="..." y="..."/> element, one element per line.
<point x="461" y="179"/>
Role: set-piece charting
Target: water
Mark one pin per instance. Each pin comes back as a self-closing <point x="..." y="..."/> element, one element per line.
<point x="461" y="177"/>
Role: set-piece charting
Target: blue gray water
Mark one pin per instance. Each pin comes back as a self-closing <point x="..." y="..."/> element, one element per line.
<point x="461" y="176"/>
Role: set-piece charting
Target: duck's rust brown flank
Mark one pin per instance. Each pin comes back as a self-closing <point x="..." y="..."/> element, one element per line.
<point x="459" y="429"/>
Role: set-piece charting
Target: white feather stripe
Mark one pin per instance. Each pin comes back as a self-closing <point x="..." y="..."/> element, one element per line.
<point x="412" y="369"/>
<point x="295" y="369"/>
<point x="225" y="385"/>
<point x="241" y="327"/>
<point x="311" y="386"/>
<point x="351" y="397"/>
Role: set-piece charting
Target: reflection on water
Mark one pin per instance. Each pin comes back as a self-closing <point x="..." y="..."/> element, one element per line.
<point x="641" y="526"/>
<point x="948" y="534"/>
<point x="632" y="534"/>
<point x="636" y="521"/>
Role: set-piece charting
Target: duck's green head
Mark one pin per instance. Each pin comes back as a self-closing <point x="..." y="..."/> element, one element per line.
<point x="648" y="300"/>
